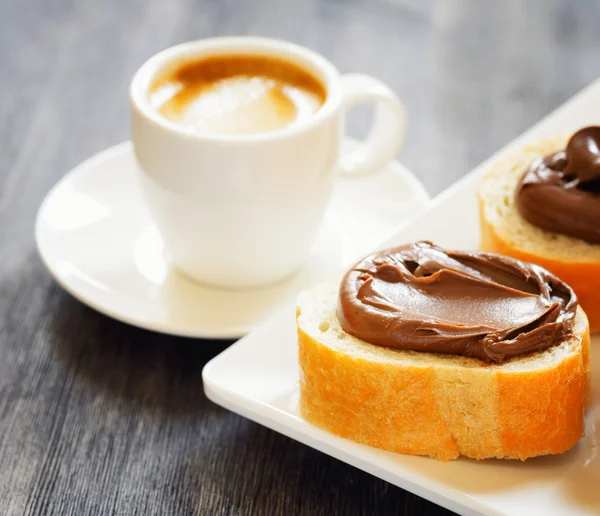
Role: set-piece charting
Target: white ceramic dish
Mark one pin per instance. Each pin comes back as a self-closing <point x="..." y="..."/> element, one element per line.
<point x="257" y="377"/>
<point x="96" y="238"/>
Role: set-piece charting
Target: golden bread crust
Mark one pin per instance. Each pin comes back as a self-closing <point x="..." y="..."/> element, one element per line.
<point x="446" y="408"/>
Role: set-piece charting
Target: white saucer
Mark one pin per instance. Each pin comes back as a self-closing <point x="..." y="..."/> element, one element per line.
<point x="97" y="239"/>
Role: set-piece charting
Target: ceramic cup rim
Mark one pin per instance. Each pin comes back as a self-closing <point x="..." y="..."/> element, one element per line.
<point x="309" y="60"/>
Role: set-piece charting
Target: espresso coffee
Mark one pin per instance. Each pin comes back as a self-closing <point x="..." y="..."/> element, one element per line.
<point x="237" y="94"/>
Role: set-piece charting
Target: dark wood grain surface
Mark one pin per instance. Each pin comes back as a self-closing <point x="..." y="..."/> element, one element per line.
<point x="100" y="418"/>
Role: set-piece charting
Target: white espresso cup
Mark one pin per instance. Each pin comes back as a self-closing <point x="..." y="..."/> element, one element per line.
<point x="244" y="210"/>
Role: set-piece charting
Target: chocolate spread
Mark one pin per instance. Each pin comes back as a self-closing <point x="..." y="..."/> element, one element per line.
<point x="561" y="192"/>
<point x="424" y="298"/>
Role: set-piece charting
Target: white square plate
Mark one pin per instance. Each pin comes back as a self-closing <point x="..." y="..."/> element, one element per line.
<point x="258" y="376"/>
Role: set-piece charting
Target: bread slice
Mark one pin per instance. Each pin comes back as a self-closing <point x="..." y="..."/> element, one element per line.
<point x="438" y="405"/>
<point x="504" y="231"/>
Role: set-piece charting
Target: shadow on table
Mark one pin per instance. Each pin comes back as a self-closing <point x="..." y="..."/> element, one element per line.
<point x="156" y="371"/>
<point x="263" y="472"/>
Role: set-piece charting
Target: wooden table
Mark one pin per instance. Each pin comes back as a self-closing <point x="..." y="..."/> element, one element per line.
<point x="97" y="417"/>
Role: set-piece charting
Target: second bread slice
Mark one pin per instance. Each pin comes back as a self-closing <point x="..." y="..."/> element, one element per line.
<point x="505" y="231"/>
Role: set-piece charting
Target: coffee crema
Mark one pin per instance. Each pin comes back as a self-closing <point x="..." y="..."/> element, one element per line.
<point x="237" y="94"/>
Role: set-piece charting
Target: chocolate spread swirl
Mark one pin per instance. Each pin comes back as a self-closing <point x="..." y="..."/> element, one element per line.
<point x="424" y="298"/>
<point x="561" y="192"/>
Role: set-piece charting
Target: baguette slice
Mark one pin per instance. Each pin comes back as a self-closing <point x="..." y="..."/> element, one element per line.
<point x="504" y="231"/>
<point x="438" y="405"/>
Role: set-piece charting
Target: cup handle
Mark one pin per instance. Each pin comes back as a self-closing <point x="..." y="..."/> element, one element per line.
<point x="387" y="132"/>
